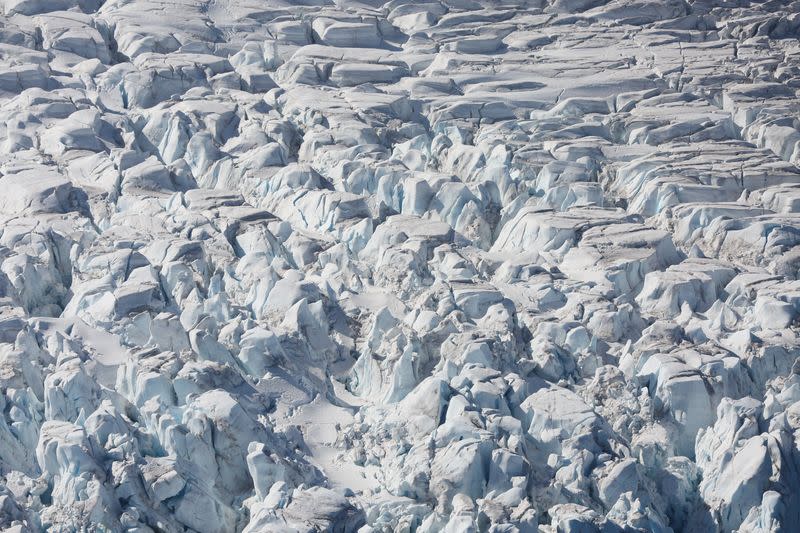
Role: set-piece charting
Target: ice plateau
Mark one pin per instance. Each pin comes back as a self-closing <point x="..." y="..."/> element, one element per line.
<point x="357" y="266"/>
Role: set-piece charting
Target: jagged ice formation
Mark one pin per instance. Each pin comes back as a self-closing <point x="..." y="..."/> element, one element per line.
<point x="503" y="266"/>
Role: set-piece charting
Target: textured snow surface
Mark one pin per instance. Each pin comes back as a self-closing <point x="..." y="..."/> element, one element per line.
<point x="498" y="266"/>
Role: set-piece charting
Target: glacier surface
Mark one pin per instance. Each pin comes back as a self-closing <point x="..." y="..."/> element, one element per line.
<point x="502" y="266"/>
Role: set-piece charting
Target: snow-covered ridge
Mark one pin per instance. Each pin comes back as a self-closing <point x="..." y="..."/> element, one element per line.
<point x="503" y="266"/>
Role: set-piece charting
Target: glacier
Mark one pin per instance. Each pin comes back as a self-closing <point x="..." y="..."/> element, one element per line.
<point x="357" y="266"/>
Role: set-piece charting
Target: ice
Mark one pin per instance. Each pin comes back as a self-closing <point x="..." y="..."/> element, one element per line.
<point x="554" y="415"/>
<point x="33" y="7"/>
<point x="75" y="33"/>
<point x="36" y="192"/>
<point x="698" y="283"/>
<point x="367" y="266"/>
